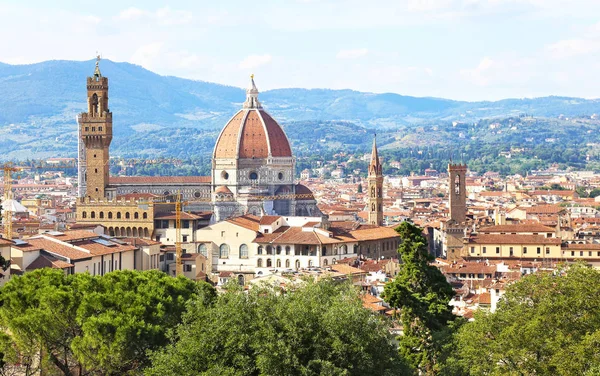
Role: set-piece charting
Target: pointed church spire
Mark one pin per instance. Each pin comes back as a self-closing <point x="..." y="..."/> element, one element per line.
<point x="97" y="73"/>
<point x="252" y="95"/>
<point x="375" y="166"/>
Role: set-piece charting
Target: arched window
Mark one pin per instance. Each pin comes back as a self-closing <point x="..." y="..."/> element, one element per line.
<point x="243" y="251"/>
<point x="325" y="262"/>
<point x="269" y="250"/>
<point x="287" y="264"/>
<point x="344" y="249"/>
<point x="109" y="215"/>
<point x="373" y="192"/>
<point x="269" y="263"/>
<point x="278" y="263"/>
<point x="287" y="250"/>
<point x="145" y="216"/>
<point x="278" y="249"/>
<point x="202" y="250"/>
<point x="136" y="215"/>
<point x="259" y="263"/>
<point x="372" y="207"/>
<point x="333" y="261"/>
<point x="457" y="184"/>
<point x="94" y="103"/>
<point x="310" y="263"/>
<point x="241" y="279"/>
<point x="127" y="216"/>
<point x="101" y="215"/>
<point x="297" y="264"/>
<point x="260" y="250"/>
<point x="118" y="215"/>
<point x="84" y="215"/>
<point x="224" y="251"/>
<point x="93" y="214"/>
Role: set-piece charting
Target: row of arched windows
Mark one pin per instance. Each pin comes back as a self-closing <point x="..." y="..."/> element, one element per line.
<point x="243" y="251"/>
<point x="118" y="215"/>
<point x="224" y="250"/>
<point x="270" y="250"/>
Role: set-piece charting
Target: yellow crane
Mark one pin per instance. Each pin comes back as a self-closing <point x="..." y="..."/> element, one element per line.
<point x="8" y="169"/>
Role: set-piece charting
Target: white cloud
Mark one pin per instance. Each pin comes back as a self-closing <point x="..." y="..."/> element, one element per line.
<point x="131" y="13"/>
<point x="147" y="55"/>
<point x="352" y="54"/>
<point x="573" y="47"/>
<point x="254" y="61"/>
<point x="479" y="74"/>
<point x="163" y="16"/>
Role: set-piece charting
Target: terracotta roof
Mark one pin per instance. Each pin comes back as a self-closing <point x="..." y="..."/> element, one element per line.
<point x="303" y="190"/>
<point x="252" y="133"/>
<point x="97" y="249"/>
<point x="59" y="248"/>
<point x="139" y="241"/>
<point x="223" y="189"/>
<point x="74" y="235"/>
<point x="346" y="269"/>
<point x="512" y="239"/>
<point x="582" y="247"/>
<point x="44" y="261"/>
<point x="5" y="241"/>
<point x="159" y="180"/>
<point x="544" y="209"/>
<point x="269" y="219"/>
<point x="517" y="228"/>
<point x="172" y="215"/>
<point x="374" y="233"/>
<point x="249" y="221"/>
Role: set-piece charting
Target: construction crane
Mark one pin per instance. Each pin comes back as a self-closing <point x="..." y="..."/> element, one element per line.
<point x="178" y="209"/>
<point x="8" y="169"/>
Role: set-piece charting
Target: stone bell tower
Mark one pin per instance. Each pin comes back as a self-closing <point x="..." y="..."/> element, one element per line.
<point x="375" y="186"/>
<point x="457" y="192"/>
<point x="95" y="132"/>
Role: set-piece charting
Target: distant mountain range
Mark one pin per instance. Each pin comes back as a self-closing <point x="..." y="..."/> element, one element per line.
<point x="39" y="102"/>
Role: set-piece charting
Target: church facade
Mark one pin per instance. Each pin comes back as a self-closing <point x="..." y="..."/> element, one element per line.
<point x="253" y="172"/>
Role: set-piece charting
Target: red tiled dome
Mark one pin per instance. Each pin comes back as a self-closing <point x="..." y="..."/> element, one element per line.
<point x="252" y="133"/>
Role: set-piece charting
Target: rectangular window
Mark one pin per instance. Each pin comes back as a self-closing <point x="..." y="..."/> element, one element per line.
<point x="100" y="129"/>
<point x="484" y="249"/>
<point x="165" y="224"/>
<point x="572" y="253"/>
<point x="162" y="257"/>
<point x="472" y="249"/>
<point x="188" y="267"/>
<point x="94" y="269"/>
<point x="524" y="250"/>
<point x="185" y="224"/>
<point x="170" y="257"/>
<point x="580" y="253"/>
<point x="222" y="234"/>
<point x="497" y="250"/>
<point x="547" y="250"/>
<point x="185" y="237"/>
<point x="590" y="253"/>
<point x="539" y="250"/>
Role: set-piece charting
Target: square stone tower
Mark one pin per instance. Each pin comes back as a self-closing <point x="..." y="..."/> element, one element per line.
<point x="457" y="192"/>
<point x="95" y="130"/>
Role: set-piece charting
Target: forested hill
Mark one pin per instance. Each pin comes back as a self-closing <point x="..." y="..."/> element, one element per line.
<point x="39" y="102"/>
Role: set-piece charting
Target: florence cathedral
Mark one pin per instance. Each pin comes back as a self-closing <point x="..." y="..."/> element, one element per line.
<point x="253" y="172"/>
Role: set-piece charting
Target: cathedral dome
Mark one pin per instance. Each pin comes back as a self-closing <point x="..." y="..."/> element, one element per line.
<point x="252" y="133"/>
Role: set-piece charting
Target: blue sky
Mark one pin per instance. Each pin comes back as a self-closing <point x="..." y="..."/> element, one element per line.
<point x="458" y="49"/>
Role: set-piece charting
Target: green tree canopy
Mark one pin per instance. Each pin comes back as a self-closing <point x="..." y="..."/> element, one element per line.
<point x="422" y="294"/>
<point x="101" y="325"/>
<point x="318" y="329"/>
<point x="545" y="324"/>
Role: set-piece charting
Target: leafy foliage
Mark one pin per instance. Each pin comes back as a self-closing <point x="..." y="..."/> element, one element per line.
<point x="545" y="324"/>
<point x="422" y="294"/>
<point x="318" y="329"/>
<point x="101" y="325"/>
